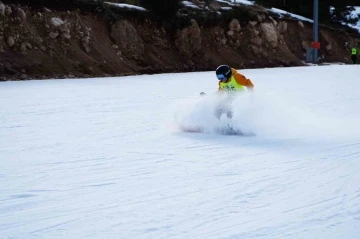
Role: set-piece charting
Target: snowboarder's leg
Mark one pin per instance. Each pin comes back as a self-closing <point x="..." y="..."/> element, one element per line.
<point x="229" y="114"/>
<point x="218" y="112"/>
<point x="223" y="109"/>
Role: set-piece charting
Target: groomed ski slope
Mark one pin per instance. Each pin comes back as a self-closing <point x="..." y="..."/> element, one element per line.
<point x="104" y="158"/>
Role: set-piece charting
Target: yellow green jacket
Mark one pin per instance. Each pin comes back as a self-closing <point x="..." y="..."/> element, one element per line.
<point x="239" y="79"/>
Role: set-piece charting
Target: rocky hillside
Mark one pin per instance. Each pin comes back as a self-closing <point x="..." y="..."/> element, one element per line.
<point x="47" y="43"/>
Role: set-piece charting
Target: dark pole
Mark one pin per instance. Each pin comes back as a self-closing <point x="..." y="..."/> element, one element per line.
<point x="316" y="29"/>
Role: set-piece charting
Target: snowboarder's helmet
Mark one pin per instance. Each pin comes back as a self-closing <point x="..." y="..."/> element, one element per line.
<point x="223" y="72"/>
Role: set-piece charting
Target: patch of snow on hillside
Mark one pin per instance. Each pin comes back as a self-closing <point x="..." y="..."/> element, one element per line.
<point x="123" y="5"/>
<point x="190" y="4"/>
<point x="282" y="13"/>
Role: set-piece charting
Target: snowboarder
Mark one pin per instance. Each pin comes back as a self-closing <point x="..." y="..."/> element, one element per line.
<point x="353" y="55"/>
<point x="230" y="82"/>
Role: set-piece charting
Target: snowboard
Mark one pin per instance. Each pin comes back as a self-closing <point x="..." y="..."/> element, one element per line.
<point x="229" y="130"/>
<point x="224" y="130"/>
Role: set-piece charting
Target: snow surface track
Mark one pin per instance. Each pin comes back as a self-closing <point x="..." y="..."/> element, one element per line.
<point x="104" y="158"/>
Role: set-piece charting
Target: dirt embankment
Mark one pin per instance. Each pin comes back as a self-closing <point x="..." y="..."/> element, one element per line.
<point x="46" y="43"/>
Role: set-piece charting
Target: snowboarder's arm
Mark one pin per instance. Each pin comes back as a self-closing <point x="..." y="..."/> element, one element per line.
<point x="242" y="80"/>
<point x="219" y="87"/>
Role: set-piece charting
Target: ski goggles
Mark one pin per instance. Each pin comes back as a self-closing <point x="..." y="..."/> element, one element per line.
<point x="220" y="77"/>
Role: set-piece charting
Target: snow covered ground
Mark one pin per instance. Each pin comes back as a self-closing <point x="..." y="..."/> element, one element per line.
<point x="104" y="158"/>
